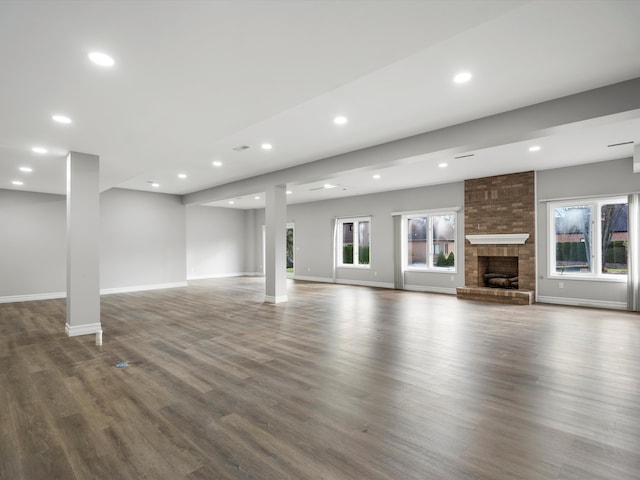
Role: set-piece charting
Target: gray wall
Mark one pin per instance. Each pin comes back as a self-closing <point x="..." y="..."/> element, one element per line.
<point x="595" y="179"/>
<point x="151" y="239"/>
<point x="143" y="239"/>
<point x="33" y="245"/>
<point x="217" y="242"/>
<point x="314" y="223"/>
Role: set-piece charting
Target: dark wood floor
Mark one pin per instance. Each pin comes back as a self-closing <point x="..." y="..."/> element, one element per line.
<point x="341" y="382"/>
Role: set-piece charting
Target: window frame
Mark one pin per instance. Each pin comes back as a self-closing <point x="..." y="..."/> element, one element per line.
<point x="430" y="263"/>
<point x="356" y="242"/>
<point x="595" y="205"/>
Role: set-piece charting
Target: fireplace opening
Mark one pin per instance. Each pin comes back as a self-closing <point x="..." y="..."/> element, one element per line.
<point x="498" y="272"/>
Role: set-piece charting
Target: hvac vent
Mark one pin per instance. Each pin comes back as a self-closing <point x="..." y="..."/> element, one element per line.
<point x="240" y="148"/>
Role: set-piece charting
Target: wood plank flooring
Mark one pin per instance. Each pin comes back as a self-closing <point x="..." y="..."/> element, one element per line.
<point x="341" y="382"/>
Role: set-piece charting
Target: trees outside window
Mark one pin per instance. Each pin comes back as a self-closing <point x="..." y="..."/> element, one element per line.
<point x="290" y="249"/>
<point x="429" y="241"/>
<point x="589" y="238"/>
<point x="354" y="242"/>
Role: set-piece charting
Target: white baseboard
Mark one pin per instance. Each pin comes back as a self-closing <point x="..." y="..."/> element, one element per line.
<point x="32" y="297"/>
<point x="362" y="283"/>
<point x="103" y="291"/>
<point x="582" y="302"/>
<point x="424" y="288"/>
<point x="277" y="299"/>
<point x="224" y="275"/>
<point x="365" y="283"/>
<point x="313" y="279"/>
<point x="89" y="328"/>
<point x="141" y="288"/>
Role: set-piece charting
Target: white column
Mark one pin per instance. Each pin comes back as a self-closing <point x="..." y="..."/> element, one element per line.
<point x="636" y="158"/>
<point x="276" y="244"/>
<point x="83" y="252"/>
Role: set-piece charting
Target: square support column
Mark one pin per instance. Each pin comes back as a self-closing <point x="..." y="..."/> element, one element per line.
<point x="276" y="244"/>
<point x="83" y="250"/>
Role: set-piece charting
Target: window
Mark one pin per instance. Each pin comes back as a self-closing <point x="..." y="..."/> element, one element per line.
<point x="354" y="242"/>
<point x="430" y="241"/>
<point x="589" y="239"/>
<point x="290" y="247"/>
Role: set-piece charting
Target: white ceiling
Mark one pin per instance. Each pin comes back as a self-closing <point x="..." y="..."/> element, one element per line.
<point x="192" y="80"/>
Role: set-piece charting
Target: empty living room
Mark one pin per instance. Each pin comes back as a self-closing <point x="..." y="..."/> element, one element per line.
<point x="320" y="240"/>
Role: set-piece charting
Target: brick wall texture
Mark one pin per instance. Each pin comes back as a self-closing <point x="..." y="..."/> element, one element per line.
<point x="500" y="204"/>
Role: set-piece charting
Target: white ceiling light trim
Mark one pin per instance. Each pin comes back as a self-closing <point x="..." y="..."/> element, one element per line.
<point x="61" y="119"/>
<point x="26" y="169"/>
<point x="217" y="163"/>
<point x="534" y="148"/>
<point x="462" y="77"/>
<point x="266" y="146"/>
<point x="40" y="150"/>
<point x="101" y="59"/>
<point x="17" y="182"/>
<point x="340" y="120"/>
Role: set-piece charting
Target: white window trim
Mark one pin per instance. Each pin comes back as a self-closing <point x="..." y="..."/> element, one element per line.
<point x="596" y="250"/>
<point x="404" y="247"/>
<point x="356" y="239"/>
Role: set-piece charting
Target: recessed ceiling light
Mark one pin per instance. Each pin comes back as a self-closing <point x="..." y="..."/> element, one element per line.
<point x="26" y="169"/>
<point x="266" y="146"/>
<point x="376" y="177"/>
<point x="39" y="150"/>
<point x="61" y="119"/>
<point x="101" y="59"/>
<point x="340" y="120"/>
<point x="155" y="185"/>
<point x="443" y="165"/>
<point x="328" y="185"/>
<point x="231" y="202"/>
<point x="17" y="182"/>
<point x="289" y="192"/>
<point x="462" y="77"/>
<point x="256" y="197"/>
<point x="217" y="163"/>
<point x="534" y="148"/>
<point x="182" y="175"/>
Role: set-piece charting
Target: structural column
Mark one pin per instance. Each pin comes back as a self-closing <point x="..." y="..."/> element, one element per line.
<point x="276" y="244"/>
<point x="83" y="240"/>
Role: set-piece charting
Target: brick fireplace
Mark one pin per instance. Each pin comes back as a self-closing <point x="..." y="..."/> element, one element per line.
<point x="499" y="214"/>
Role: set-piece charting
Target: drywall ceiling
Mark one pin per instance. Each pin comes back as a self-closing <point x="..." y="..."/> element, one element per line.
<point x="193" y="80"/>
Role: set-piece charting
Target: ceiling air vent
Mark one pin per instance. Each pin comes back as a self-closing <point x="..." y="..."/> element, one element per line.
<point x="465" y="156"/>
<point x="240" y="148"/>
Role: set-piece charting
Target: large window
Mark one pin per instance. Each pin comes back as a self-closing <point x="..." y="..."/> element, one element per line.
<point x="589" y="238"/>
<point x="354" y="242"/>
<point x="430" y="241"/>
